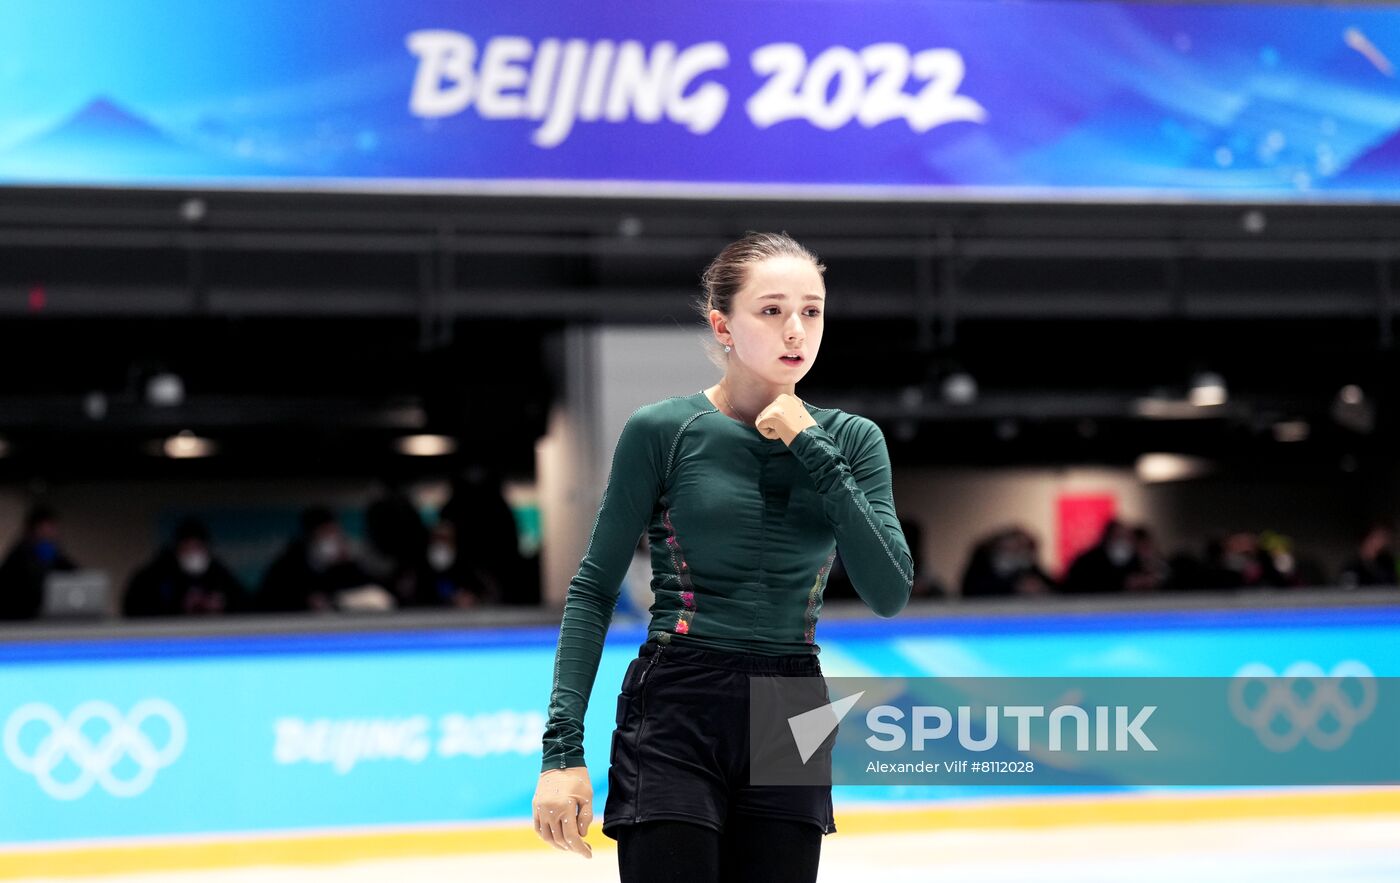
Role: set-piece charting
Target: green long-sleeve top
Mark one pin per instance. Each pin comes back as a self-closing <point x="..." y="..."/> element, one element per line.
<point x="742" y="529"/>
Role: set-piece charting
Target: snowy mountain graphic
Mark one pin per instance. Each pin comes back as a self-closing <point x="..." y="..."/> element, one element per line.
<point x="104" y="119"/>
<point x="103" y="141"/>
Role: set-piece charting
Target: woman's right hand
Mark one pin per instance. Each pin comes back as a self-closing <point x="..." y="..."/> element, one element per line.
<point x="563" y="808"/>
<point x="786" y="417"/>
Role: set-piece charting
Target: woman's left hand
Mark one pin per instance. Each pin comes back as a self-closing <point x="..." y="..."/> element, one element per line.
<point x="784" y="418"/>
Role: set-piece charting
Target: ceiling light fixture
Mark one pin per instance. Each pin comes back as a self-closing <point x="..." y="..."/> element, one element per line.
<point x="1208" y="390"/>
<point x="425" y="445"/>
<point x="165" y="390"/>
<point x="1353" y="410"/>
<point x="185" y="445"/>
<point x="1154" y="468"/>
<point x="960" y="388"/>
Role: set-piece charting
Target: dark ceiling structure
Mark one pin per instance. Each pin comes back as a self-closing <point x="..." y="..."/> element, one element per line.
<point x="309" y="329"/>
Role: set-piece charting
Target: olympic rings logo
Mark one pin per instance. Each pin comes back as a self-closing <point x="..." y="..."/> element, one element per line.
<point x="64" y="739"/>
<point x="1303" y="697"/>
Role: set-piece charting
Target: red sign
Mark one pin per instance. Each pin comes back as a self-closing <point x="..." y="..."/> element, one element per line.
<point x="1079" y="522"/>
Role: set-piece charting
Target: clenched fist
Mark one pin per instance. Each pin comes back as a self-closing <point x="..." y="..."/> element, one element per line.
<point x="564" y="809"/>
<point x="784" y="418"/>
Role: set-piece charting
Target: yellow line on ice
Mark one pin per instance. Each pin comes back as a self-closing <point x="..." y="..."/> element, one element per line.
<point x="333" y="848"/>
<point x="273" y="849"/>
<point x="1138" y="809"/>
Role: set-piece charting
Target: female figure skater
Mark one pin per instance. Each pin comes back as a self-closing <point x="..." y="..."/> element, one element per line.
<point x="746" y="492"/>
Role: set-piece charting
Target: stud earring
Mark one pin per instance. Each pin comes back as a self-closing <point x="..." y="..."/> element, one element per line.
<point x="727" y="347"/>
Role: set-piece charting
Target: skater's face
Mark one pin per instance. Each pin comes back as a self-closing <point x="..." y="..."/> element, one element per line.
<point x="779" y="312"/>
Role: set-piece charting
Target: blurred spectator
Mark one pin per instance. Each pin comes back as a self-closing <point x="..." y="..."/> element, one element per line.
<point x="926" y="585"/>
<point x="1107" y="566"/>
<point x="31" y="559"/>
<point x="838" y="583"/>
<point x="1374" y="564"/>
<point x="1245" y="560"/>
<point x="1280" y="564"/>
<point x="398" y="542"/>
<point x="487" y="535"/>
<point x="315" y="570"/>
<point x="1233" y="562"/>
<point x="446" y="579"/>
<point x="1153" y="571"/>
<point x="1005" y="563"/>
<point x="183" y="578"/>
<point x="1036" y="581"/>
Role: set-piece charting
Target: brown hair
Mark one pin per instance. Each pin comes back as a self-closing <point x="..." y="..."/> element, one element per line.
<point x="729" y="270"/>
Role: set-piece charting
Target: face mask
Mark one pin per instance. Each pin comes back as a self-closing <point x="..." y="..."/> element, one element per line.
<point x="441" y="556"/>
<point x="1236" y="561"/>
<point x="324" y="552"/>
<point x="1005" y="565"/>
<point x="1119" y="553"/>
<point x="194" y="563"/>
<point x="46" y="551"/>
